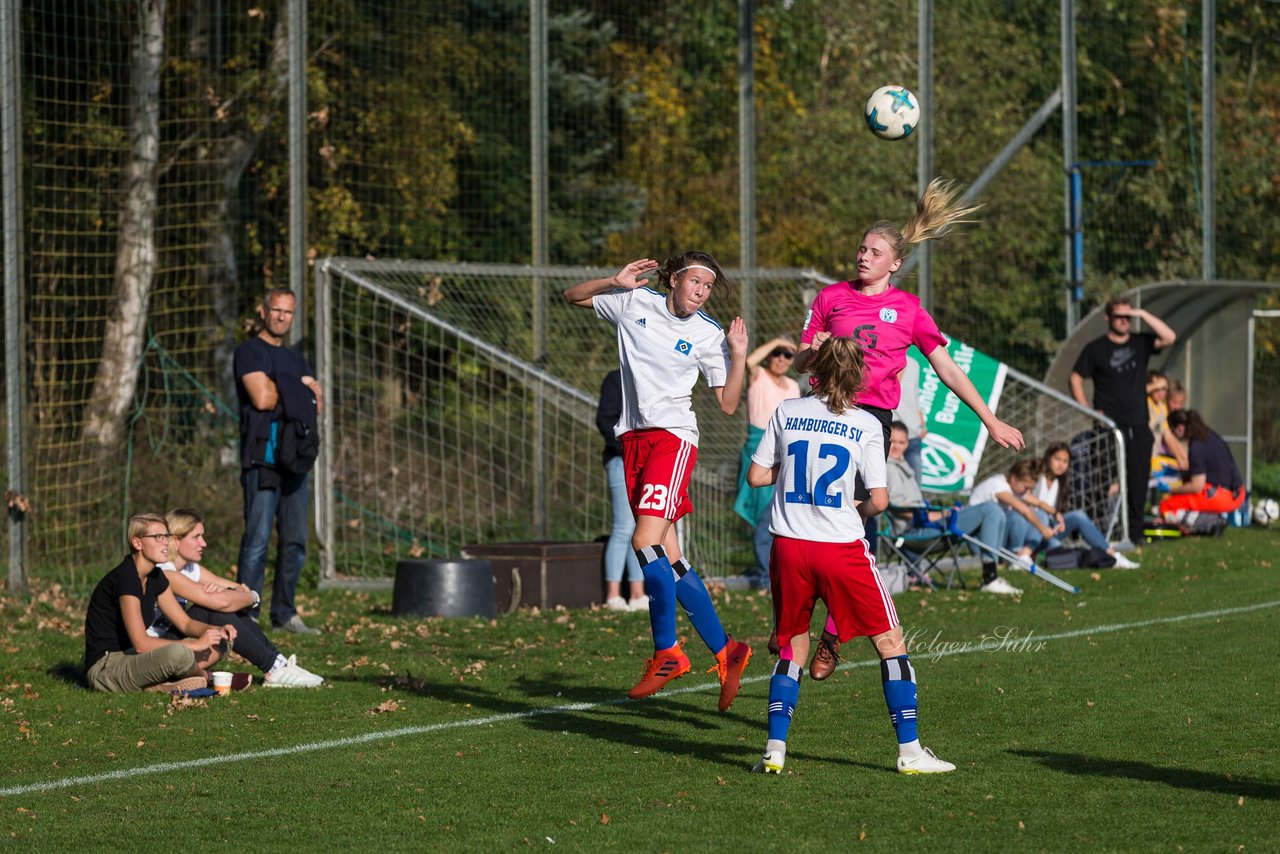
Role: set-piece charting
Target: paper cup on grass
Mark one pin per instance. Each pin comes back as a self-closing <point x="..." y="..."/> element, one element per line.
<point x="222" y="681"/>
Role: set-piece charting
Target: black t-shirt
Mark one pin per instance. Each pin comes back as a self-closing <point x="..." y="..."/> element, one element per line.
<point x="255" y="424"/>
<point x="1119" y="374"/>
<point x="608" y="412"/>
<point x="1212" y="458"/>
<point x="104" y="629"/>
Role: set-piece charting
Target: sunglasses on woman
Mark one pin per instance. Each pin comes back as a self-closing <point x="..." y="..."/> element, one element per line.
<point x="786" y="354"/>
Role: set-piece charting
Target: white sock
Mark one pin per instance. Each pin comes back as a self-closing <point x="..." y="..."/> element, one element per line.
<point x="281" y="661"/>
<point x="773" y="744"/>
<point x="910" y="749"/>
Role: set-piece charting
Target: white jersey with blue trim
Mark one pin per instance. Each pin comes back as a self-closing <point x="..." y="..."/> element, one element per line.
<point x="819" y="454"/>
<point x="661" y="357"/>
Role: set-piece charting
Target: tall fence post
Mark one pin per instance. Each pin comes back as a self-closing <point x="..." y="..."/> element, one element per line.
<point x="297" y="46"/>
<point x="323" y="484"/>
<point x="1208" y="96"/>
<point x="14" y="363"/>
<point x="747" y="159"/>
<point x="538" y="189"/>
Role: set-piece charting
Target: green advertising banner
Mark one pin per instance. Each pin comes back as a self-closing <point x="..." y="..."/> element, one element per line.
<point x="956" y="438"/>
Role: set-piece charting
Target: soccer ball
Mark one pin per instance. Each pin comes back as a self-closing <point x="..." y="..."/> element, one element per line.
<point x="1266" y="511"/>
<point x="892" y="112"/>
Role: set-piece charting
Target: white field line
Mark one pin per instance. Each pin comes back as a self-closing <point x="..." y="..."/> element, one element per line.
<point x="382" y="735"/>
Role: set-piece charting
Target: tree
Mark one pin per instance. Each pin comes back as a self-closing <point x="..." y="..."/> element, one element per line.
<point x="122" y="341"/>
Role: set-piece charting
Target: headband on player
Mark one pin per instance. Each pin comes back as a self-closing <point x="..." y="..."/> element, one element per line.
<point x="695" y="267"/>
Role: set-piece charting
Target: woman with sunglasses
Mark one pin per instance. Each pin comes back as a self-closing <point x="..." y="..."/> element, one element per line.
<point x="768" y="385"/>
<point x="886" y="321"/>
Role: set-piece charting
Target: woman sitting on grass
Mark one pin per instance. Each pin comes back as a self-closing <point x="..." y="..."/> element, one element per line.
<point x="1053" y="489"/>
<point x="119" y="654"/>
<point x="220" y="602"/>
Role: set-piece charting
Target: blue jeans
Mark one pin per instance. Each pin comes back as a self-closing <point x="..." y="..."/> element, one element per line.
<point x="986" y="522"/>
<point x="286" y="508"/>
<point x="762" y="542"/>
<point x="1075" y="522"/>
<point x="618" y="551"/>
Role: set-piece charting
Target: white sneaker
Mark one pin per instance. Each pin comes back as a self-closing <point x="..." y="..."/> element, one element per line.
<point x="925" y="763"/>
<point x="640" y="603"/>
<point x="1022" y="562"/>
<point x="1123" y="562"/>
<point x="771" y="762"/>
<point x="1002" y="587"/>
<point x="616" y="603"/>
<point x="290" y="675"/>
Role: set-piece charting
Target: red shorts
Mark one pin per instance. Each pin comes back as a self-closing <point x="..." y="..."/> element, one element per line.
<point x="841" y="574"/>
<point x="658" y="466"/>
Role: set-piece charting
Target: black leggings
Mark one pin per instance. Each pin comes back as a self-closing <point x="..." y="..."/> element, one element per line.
<point x="250" y="642"/>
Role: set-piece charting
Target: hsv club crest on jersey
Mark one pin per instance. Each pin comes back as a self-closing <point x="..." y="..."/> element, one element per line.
<point x="660" y="352"/>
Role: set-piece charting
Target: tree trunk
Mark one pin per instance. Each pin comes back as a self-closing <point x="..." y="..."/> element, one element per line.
<point x="136" y="253"/>
<point x="230" y="155"/>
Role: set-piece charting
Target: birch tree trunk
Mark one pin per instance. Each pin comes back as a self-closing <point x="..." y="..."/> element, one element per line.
<point x="136" y="253"/>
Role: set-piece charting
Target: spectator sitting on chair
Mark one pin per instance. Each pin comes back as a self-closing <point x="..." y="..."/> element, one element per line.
<point x="985" y="521"/>
<point x="119" y="655"/>
<point x="767" y="386"/>
<point x="219" y="602"/>
<point x="1012" y="492"/>
<point x="1167" y="452"/>
<point x="909" y="415"/>
<point x="1053" y="489"/>
<point x="1213" y="484"/>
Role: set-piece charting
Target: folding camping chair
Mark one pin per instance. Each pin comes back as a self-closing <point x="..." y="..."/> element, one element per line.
<point x="924" y="546"/>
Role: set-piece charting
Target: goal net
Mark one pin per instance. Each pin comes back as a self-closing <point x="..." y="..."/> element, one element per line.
<point x="460" y="409"/>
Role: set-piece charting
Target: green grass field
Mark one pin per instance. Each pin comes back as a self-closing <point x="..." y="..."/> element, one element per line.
<point x="1139" y="715"/>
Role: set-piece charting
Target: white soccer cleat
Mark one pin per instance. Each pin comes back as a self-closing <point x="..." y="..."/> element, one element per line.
<point x="1001" y="587"/>
<point x="925" y="763"/>
<point x="290" y="675"/>
<point x="1123" y="562"/>
<point x="771" y="762"/>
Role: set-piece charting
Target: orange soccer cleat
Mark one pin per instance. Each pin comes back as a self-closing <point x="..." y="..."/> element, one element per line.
<point x="666" y="664"/>
<point x="730" y="662"/>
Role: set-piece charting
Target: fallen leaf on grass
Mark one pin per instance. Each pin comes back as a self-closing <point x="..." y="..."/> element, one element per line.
<point x="388" y="706"/>
<point x="604" y="818"/>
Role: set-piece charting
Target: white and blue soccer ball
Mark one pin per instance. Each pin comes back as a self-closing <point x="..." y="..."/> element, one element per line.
<point x="892" y="112"/>
<point x="1266" y="511"/>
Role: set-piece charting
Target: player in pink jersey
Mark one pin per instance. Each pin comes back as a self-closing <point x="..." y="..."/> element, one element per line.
<point x="816" y="448"/>
<point x="664" y="342"/>
<point x="886" y="321"/>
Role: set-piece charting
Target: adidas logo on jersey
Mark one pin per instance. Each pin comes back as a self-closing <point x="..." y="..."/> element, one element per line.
<point x="640" y="322"/>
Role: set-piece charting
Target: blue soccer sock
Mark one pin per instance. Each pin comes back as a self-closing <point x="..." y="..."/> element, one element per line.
<point x="659" y="584"/>
<point x="695" y="600"/>
<point x="899" y="682"/>
<point x="784" y="693"/>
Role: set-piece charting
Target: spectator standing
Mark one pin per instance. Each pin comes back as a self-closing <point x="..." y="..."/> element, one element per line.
<point x="1117" y="364"/>
<point x="617" y="552"/>
<point x="270" y="376"/>
<point x="768" y="385"/>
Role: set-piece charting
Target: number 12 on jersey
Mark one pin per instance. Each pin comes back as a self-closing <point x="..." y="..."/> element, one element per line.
<point x="820" y="495"/>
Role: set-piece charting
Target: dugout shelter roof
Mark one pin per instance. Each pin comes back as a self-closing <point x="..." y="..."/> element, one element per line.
<point x="1213" y="356"/>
